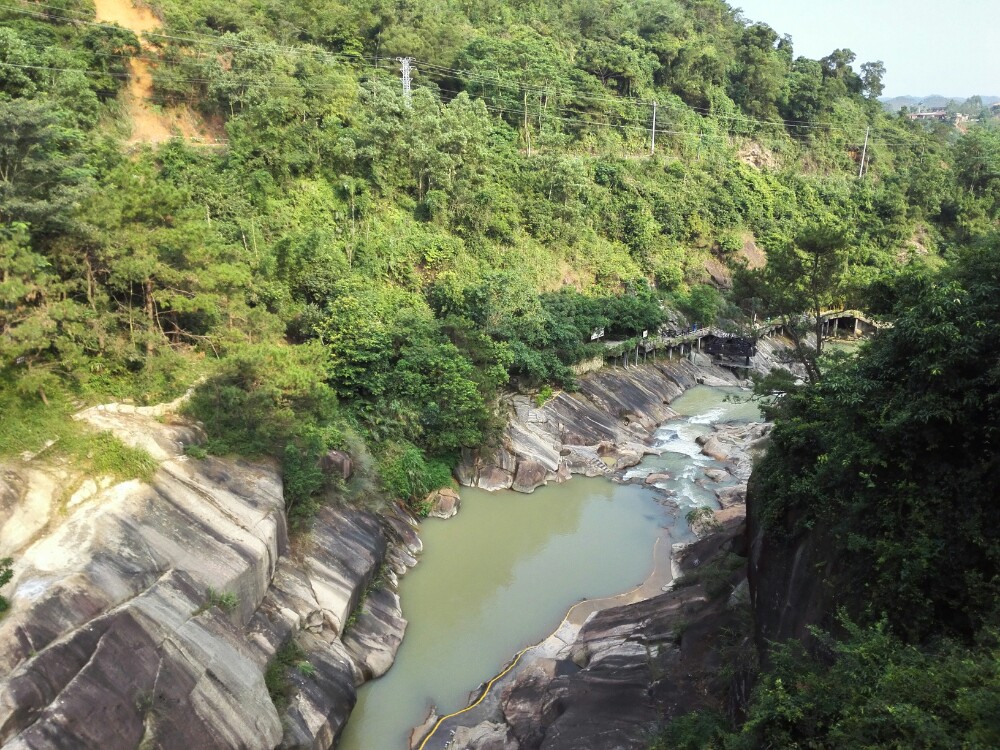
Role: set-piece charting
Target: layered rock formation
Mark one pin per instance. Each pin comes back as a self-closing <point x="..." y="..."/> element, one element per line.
<point x="601" y="428"/>
<point x="608" y="680"/>
<point x="146" y="614"/>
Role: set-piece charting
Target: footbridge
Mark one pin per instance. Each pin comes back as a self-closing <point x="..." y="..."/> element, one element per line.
<point x="732" y="350"/>
<point x="836" y="323"/>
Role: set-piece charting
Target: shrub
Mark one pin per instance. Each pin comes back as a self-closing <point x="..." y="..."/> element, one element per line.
<point x="276" y="676"/>
<point x="406" y="474"/>
<point x="6" y="573"/>
<point x="272" y="400"/>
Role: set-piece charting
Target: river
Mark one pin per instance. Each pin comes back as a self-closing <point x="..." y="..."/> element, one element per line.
<point x="502" y="574"/>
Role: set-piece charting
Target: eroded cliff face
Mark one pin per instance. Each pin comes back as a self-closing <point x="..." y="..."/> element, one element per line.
<point x="114" y="640"/>
<point x="608" y="680"/>
<point x="792" y="579"/>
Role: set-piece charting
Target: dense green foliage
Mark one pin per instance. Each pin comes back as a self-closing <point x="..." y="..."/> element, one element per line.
<point x="874" y="692"/>
<point x="893" y="458"/>
<point x="342" y="266"/>
<point x="433" y="247"/>
<point x="889" y="464"/>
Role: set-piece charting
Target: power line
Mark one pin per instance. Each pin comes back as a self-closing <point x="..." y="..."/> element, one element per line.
<point x="195" y="38"/>
<point x="360" y="62"/>
<point x="454" y="72"/>
<point x="296" y="86"/>
<point x="192" y="38"/>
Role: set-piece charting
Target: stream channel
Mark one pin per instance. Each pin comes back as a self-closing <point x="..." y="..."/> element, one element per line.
<point x="502" y="573"/>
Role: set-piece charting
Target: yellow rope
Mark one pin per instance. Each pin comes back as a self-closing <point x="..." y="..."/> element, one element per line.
<point x="486" y="692"/>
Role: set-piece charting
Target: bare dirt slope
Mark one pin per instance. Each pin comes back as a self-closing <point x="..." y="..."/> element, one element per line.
<point x="150" y="123"/>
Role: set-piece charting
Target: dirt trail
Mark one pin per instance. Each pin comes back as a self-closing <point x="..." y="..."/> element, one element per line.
<point x="150" y="123"/>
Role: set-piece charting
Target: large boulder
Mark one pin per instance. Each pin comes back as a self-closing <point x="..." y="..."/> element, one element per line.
<point x="730" y="496"/>
<point x="713" y="448"/>
<point x="530" y="475"/>
<point x="605" y="426"/>
<point x="487" y="736"/>
<point x="443" y="503"/>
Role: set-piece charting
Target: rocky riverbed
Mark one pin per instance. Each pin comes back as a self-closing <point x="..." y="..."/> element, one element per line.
<point x="147" y="613"/>
<point x="603" y="427"/>
<point x="615" y="668"/>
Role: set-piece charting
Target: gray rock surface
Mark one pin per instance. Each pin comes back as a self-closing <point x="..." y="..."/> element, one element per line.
<point x="114" y="639"/>
<point x="444" y="503"/>
<point x="630" y="667"/>
<point x="605" y="426"/>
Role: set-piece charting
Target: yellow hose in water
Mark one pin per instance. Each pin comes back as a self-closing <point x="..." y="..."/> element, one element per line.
<point x="522" y="652"/>
<point x="486" y="691"/>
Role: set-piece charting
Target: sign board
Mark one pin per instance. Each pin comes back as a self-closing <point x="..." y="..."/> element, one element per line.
<point x="597" y="334"/>
<point x="645" y="334"/>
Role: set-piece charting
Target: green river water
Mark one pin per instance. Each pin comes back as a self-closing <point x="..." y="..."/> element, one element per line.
<point x="502" y="574"/>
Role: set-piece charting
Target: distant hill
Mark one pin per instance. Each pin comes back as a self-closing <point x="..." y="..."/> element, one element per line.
<point x="934" y="101"/>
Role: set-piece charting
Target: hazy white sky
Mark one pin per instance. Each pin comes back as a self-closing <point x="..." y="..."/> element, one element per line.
<point x="949" y="47"/>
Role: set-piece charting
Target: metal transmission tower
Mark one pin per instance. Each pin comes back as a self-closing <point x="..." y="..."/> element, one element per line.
<point x="405" y="66"/>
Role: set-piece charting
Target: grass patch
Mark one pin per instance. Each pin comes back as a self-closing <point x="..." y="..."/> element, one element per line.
<point x="714" y="574"/>
<point x="28" y="423"/>
<point x="6" y="573"/>
<point x="380" y="579"/>
<point x="224" y="600"/>
<point x="103" y="454"/>
<point x="227" y="601"/>
<point x="277" y="676"/>
<point x="195" y="451"/>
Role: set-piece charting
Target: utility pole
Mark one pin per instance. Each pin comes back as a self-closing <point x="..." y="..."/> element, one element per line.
<point x="652" y="141"/>
<point x="406" y="69"/>
<point x="864" y="153"/>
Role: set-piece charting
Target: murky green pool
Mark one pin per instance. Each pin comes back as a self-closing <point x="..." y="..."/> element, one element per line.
<point x="502" y="573"/>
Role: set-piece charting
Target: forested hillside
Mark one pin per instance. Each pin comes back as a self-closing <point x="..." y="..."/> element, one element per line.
<point x="348" y="263"/>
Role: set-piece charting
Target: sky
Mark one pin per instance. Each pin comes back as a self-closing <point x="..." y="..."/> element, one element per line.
<point x="949" y="47"/>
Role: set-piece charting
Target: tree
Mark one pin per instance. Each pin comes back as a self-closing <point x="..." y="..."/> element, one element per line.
<point x="437" y="380"/>
<point x="801" y="279"/>
<point x="977" y="159"/>
<point x="889" y="465"/>
<point x="110" y="48"/>
<point x="872" y="74"/>
<point x="806" y="99"/>
<point x="42" y="328"/>
<point x="529" y="69"/>
<point x="760" y="80"/>
<point x="839" y="76"/>
<point x="41" y="165"/>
